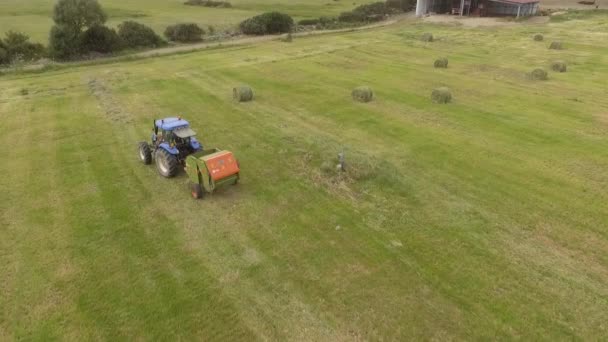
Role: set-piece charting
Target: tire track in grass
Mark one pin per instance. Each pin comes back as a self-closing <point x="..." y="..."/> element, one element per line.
<point x="136" y="280"/>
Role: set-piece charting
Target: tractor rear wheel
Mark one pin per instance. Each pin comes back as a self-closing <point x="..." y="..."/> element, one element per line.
<point x="145" y="154"/>
<point x="166" y="163"/>
<point x="196" y="191"/>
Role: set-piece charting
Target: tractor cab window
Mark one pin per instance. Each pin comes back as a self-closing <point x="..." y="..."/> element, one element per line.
<point x="168" y="135"/>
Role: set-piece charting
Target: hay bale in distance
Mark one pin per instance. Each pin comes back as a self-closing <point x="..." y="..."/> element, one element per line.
<point x="427" y="37"/>
<point x="363" y="94"/>
<point x="538" y="37"/>
<point x="539" y="74"/>
<point x="556" y="46"/>
<point x="242" y="94"/>
<point x="559" y="66"/>
<point x="441" y="95"/>
<point x="441" y="63"/>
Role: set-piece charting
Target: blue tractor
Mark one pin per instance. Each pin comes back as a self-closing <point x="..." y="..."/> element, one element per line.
<point x="172" y="142"/>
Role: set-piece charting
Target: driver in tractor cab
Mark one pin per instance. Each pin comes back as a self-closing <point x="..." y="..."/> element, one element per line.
<point x="157" y="138"/>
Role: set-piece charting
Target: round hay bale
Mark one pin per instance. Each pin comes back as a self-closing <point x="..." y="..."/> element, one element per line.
<point x="539" y="74"/>
<point x="538" y="37"/>
<point x="559" y="66"/>
<point x="427" y="37"/>
<point x="363" y="94"/>
<point x="556" y="46"/>
<point x="441" y="95"/>
<point x="441" y="63"/>
<point x="242" y="94"/>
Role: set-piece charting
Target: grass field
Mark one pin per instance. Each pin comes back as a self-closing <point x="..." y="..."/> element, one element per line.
<point x="482" y="219"/>
<point x="34" y="17"/>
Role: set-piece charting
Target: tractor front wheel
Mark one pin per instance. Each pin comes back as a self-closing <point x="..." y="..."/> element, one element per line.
<point x="145" y="154"/>
<point x="196" y="191"/>
<point x="166" y="163"/>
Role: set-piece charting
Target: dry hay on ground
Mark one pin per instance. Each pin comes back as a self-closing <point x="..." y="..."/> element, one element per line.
<point x="538" y="37"/>
<point x="539" y="74"/>
<point x="441" y="95"/>
<point x="559" y="66"/>
<point x="441" y="63"/>
<point x="110" y="106"/>
<point x="363" y="94"/>
<point x="556" y="46"/>
<point x="427" y="37"/>
<point x="242" y="94"/>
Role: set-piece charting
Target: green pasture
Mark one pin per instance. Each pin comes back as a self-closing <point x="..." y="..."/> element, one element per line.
<point x="34" y="17"/>
<point x="482" y="219"/>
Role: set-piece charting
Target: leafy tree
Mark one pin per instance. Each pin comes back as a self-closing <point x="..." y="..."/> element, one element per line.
<point x="71" y="18"/>
<point x="78" y="14"/>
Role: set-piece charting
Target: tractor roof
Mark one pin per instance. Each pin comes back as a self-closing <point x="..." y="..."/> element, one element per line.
<point x="169" y="124"/>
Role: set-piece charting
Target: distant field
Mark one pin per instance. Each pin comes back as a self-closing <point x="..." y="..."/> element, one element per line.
<point x="484" y="219"/>
<point x="34" y="16"/>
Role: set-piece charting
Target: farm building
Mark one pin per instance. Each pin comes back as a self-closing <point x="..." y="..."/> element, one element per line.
<point x="481" y="8"/>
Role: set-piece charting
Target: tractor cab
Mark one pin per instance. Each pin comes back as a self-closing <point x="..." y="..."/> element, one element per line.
<point x="175" y="136"/>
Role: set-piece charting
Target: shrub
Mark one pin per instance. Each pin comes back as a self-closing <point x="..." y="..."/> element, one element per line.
<point x="184" y="33"/>
<point x="427" y="37"/>
<point x="441" y="63"/>
<point x="136" y="35"/>
<point x="538" y="37"/>
<point x="63" y="42"/>
<point x="559" y="66"/>
<point x="208" y="3"/>
<point x="3" y="55"/>
<point x="253" y="26"/>
<point x="267" y="23"/>
<point x="99" y="38"/>
<point x="441" y="95"/>
<point x="369" y="12"/>
<point x="17" y="45"/>
<point x="363" y="94"/>
<point x="242" y="94"/>
<point x="351" y="17"/>
<point x="277" y="22"/>
<point x="308" y="22"/>
<point x="326" y="20"/>
<point x="556" y="46"/>
<point x="539" y="74"/>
